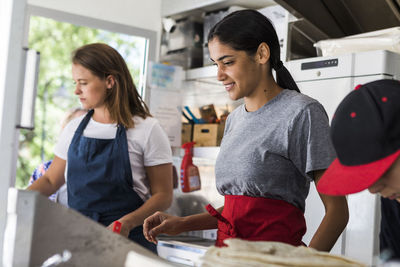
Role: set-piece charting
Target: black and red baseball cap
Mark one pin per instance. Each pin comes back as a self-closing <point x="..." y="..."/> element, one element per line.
<point x="365" y="132"/>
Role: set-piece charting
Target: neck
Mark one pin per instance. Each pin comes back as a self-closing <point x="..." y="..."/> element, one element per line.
<point x="265" y="91"/>
<point x="102" y="115"/>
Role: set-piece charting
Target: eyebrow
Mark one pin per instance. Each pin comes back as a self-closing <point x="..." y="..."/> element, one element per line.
<point x="222" y="58"/>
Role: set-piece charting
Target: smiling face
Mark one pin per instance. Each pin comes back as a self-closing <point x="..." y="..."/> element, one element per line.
<point x="90" y="89"/>
<point x="239" y="73"/>
<point x="389" y="184"/>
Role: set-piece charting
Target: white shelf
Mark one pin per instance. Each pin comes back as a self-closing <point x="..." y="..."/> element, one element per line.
<point x="180" y="8"/>
<point x="205" y="152"/>
<point x="206" y="74"/>
<point x="209" y="152"/>
<point x="201" y="73"/>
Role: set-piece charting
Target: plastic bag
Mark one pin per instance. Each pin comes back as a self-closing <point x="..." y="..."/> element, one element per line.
<point x="388" y="39"/>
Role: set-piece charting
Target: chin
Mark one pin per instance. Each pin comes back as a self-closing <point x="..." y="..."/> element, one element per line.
<point x="233" y="96"/>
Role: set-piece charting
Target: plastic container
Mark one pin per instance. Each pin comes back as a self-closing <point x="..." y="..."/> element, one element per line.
<point x="190" y="176"/>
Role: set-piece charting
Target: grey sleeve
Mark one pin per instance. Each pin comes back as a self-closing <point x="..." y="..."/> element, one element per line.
<point x="310" y="145"/>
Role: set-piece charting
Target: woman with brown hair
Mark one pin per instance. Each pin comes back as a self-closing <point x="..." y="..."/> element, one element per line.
<point x="116" y="159"/>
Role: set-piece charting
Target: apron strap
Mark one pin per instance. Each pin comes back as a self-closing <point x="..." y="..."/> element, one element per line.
<point x="122" y="142"/>
<point x="84" y="122"/>
<point x="213" y="212"/>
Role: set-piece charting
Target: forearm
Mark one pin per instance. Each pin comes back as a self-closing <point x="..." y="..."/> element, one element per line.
<point x="52" y="179"/>
<point x="157" y="202"/>
<point x="44" y="186"/>
<point x="162" y="223"/>
<point x="332" y="225"/>
<point x="202" y="221"/>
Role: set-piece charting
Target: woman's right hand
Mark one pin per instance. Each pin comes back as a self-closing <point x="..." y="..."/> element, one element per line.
<point x="161" y="223"/>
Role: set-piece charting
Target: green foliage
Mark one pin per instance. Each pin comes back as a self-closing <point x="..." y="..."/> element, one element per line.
<point x="56" y="41"/>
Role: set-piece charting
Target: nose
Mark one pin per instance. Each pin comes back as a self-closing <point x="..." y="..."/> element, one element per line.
<point x="77" y="90"/>
<point x="221" y="74"/>
<point x="376" y="188"/>
<point x="372" y="190"/>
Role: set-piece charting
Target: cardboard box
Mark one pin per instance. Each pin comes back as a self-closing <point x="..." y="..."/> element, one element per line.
<point x="208" y="134"/>
<point x="208" y="113"/>
<point x="187" y="132"/>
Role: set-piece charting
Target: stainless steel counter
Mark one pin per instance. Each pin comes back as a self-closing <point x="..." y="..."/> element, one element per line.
<point x="37" y="229"/>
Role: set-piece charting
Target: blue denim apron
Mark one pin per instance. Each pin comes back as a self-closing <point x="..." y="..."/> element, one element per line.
<point x="99" y="182"/>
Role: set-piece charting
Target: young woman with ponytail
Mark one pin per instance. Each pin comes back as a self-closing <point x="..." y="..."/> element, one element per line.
<point x="274" y="145"/>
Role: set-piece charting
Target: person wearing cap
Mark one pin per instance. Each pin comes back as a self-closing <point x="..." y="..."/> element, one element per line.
<point x="365" y="132"/>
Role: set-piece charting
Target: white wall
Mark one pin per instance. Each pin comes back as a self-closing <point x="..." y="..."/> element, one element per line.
<point x="144" y="14"/>
<point x="11" y="67"/>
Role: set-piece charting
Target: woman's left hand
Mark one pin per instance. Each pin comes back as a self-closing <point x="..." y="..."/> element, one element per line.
<point x="124" y="228"/>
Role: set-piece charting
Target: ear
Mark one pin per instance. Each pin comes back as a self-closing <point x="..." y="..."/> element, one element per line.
<point x="110" y="81"/>
<point x="263" y="53"/>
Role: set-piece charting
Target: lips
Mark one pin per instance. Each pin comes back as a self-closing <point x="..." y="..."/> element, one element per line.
<point x="229" y="86"/>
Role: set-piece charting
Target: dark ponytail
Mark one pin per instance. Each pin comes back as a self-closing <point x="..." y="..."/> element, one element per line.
<point x="245" y="30"/>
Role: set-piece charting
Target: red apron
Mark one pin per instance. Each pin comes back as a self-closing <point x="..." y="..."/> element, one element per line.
<point x="259" y="218"/>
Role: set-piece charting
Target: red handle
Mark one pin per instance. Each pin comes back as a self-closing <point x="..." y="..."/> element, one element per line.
<point x="117" y="227"/>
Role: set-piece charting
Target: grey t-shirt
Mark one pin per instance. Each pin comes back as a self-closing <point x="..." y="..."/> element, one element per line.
<point x="272" y="151"/>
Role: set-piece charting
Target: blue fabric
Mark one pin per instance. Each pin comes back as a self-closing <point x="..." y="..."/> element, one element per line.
<point x="38" y="172"/>
<point x="100" y="183"/>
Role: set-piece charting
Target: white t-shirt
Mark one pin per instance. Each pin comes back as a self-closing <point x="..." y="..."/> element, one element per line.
<point x="148" y="145"/>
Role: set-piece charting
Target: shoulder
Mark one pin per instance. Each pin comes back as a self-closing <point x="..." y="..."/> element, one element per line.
<point x="69" y="130"/>
<point x="144" y="128"/>
<point x="297" y="100"/>
<point x="149" y="136"/>
<point x="297" y="103"/>
<point x="146" y="124"/>
<point x="308" y="114"/>
<point x="73" y="124"/>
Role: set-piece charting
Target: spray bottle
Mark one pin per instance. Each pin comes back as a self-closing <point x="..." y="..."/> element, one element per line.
<point x="190" y="176"/>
